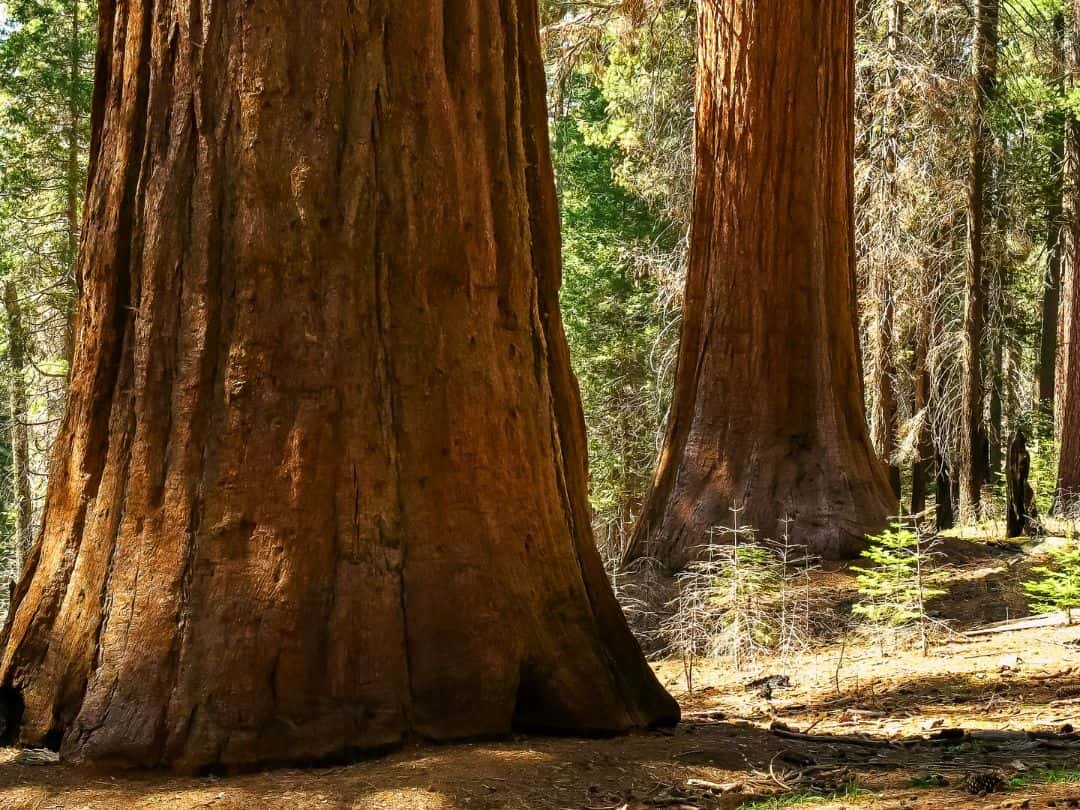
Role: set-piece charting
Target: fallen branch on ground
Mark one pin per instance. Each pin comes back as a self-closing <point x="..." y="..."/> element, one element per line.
<point x="1031" y="623"/>
<point x="835" y="739"/>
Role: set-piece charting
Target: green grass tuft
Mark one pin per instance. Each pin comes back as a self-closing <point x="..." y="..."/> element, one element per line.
<point x="933" y="780"/>
<point x="1054" y="776"/>
<point x="806" y="797"/>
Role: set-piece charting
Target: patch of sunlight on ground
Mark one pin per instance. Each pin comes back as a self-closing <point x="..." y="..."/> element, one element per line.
<point x="398" y="799"/>
<point x="520" y="757"/>
<point x="994" y="530"/>
<point x="490" y="752"/>
<point x="22" y="798"/>
<point x="986" y="530"/>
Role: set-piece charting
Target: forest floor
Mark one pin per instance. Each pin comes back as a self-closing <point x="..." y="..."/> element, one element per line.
<point x="859" y="727"/>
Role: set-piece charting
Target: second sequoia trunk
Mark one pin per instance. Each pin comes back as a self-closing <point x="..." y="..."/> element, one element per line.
<point x="321" y="486"/>
<point x="768" y="414"/>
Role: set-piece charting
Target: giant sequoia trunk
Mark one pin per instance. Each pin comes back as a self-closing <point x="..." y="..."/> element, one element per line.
<point x="768" y="412"/>
<point x="321" y="486"/>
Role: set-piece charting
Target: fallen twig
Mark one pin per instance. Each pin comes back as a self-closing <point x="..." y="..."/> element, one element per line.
<point x="834" y="739"/>
<point x="726" y="787"/>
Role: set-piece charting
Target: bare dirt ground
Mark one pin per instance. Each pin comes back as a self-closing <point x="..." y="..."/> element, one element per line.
<point x="882" y="729"/>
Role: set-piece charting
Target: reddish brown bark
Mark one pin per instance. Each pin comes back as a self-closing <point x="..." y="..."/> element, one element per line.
<point x="18" y="420"/>
<point x="972" y="472"/>
<point x="1068" y="379"/>
<point x="321" y="486"/>
<point x="1051" y="299"/>
<point x="768" y="410"/>
<point x="886" y="427"/>
<point x="923" y="467"/>
<point x="885" y="424"/>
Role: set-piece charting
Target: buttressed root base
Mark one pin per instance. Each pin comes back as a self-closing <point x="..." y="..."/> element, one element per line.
<point x="321" y="487"/>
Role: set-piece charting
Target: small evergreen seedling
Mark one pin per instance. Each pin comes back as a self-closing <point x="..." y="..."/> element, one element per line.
<point x="1058" y="585"/>
<point x="896" y="589"/>
<point x="742" y="599"/>
<point x="801" y="606"/>
<point x="747" y="586"/>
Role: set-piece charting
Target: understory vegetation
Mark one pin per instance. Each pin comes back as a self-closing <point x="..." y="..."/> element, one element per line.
<point x="621" y="81"/>
<point x="622" y="94"/>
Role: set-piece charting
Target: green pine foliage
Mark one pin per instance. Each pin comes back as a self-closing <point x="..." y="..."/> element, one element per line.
<point x="46" y="68"/>
<point x="746" y="597"/>
<point x="896" y="589"/>
<point x="1057" y="587"/>
<point x="46" y="80"/>
<point x="1045" y="450"/>
<point x="648" y="81"/>
<point x="614" y="321"/>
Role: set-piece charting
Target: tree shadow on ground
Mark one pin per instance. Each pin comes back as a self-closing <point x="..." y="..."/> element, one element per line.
<point x="534" y="773"/>
<point x="923" y="694"/>
<point x="525" y="772"/>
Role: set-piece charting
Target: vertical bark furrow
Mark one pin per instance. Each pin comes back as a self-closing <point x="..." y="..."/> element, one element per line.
<point x="340" y="497"/>
<point x="1067" y="389"/>
<point x="768" y="413"/>
<point x="82" y="456"/>
<point x="973" y="429"/>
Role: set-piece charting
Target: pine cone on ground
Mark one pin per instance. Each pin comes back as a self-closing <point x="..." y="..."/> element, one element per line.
<point x="984" y="783"/>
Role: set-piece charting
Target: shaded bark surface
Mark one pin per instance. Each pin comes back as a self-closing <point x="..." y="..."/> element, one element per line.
<point x="1067" y="412"/>
<point x="1021" y="496"/>
<point x="1051" y="300"/>
<point x="972" y="471"/>
<point x="885" y="424"/>
<point x="944" y="509"/>
<point x="768" y="410"/>
<point x="18" y="417"/>
<point x="321" y="486"/>
<point x="922" y="469"/>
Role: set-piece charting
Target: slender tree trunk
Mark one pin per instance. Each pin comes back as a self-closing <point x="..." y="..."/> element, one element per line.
<point x="1019" y="493"/>
<point x="922" y="469"/>
<point x="886" y="421"/>
<point x="73" y="187"/>
<point x="945" y="503"/>
<point x="996" y="287"/>
<point x="1068" y="378"/>
<point x="884" y="380"/>
<point x="321" y="486"/>
<point x="972" y="433"/>
<point x="768" y="411"/>
<point x="18" y="410"/>
<point x="1051" y="302"/>
<point x="1051" y="305"/>
<point x="995" y="435"/>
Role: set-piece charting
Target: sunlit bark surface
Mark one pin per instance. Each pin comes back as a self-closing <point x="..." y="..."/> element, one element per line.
<point x="321" y="487"/>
